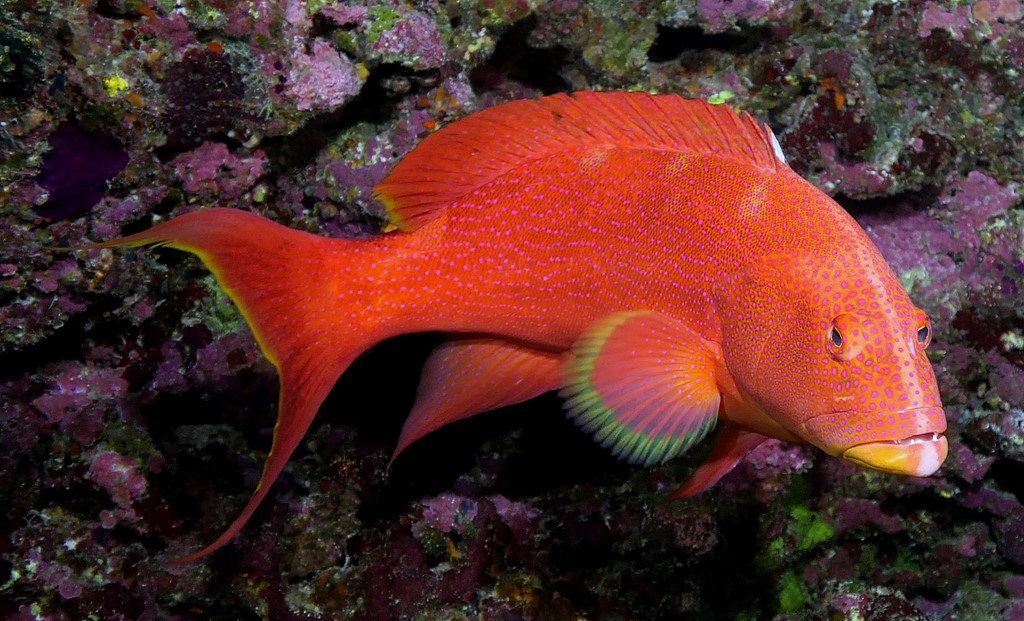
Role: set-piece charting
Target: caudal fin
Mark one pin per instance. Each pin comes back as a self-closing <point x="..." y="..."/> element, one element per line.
<point x="290" y="287"/>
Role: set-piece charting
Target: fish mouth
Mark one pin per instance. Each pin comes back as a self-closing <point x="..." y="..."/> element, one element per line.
<point x="919" y="455"/>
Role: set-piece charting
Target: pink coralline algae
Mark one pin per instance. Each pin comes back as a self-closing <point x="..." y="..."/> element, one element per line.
<point x="79" y="399"/>
<point x="873" y="605"/>
<point x="947" y="260"/>
<point x="773" y="461"/>
<point x="970" y="466"/>
<point x="978" y="210"/>
<point x="48" y="281"/>
<point x="171" y="26"/>
<point x="117" y="215"/>
<point x="119" y="475"/>
<point x="351" y="180"/>
<point x="520" y="517"/>
<point x="344" y="15"/>
<point x="1010" y="532"/>
<point x="412" y="39"/>
<point x="223" y="358"/>
<point x="998" y="12"/>
<point x="723" y="14"/>
<point x="990" y="19"/>
<point x="211" y="172"/>
<point x="858" y="513"/>
<point x="920" y="250"/>
<point x="971" y="202"/>
<point x="447" y="513"/>
<point x="322" y="79"/>
<point x="955" y="21"/>
<point x="1006" y="378"/>
<point x="855" y="178"/>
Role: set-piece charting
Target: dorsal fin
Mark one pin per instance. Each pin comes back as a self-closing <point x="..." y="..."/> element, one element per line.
<point x="471" y="152"/>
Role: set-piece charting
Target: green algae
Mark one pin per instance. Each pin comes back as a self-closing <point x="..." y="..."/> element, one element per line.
<point x="805" y="528"/>
<point x="809" y="527"/>
<point x="793" y="594"/>
<point x="381" y="19"/>
<point x="913" y="277"/>
<point x="216" y="311"/>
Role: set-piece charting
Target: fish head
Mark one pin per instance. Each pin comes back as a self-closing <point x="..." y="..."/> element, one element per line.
<point x="833" y="350"/>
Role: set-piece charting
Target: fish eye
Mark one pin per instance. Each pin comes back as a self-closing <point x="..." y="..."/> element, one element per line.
<point x="924" y="334"/>
<point x="837" y="337"/>
<point x="844" y="339"/>
<point x="834" y="341"/>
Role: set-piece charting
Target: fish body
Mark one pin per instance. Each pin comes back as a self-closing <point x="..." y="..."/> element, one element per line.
<point x="651" y="257"/>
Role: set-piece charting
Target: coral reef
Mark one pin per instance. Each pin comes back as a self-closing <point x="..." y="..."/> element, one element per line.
<point x="135" y="407"/>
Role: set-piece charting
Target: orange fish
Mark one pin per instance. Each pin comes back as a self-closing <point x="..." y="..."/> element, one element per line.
<point x="651" y="257"/>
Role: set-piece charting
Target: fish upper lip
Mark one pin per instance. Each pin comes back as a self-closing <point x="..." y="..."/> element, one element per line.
<point x="921" y="438"/>
<point x="861" y="412"/>
<point x="925" y="432"/>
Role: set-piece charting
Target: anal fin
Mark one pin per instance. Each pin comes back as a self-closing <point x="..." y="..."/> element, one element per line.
<point x="467" y="376"/>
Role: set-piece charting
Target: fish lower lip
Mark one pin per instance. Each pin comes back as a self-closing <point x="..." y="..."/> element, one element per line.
<point x="919" y="455"/>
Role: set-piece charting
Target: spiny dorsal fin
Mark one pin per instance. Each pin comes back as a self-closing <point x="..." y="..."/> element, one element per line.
<point x="469" y="153"/>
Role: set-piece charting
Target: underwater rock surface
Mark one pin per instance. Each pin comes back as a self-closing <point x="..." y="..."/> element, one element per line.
<point x="135" y="406"/>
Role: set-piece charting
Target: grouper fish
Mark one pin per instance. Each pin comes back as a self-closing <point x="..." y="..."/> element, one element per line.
<point x="652" y="258"/>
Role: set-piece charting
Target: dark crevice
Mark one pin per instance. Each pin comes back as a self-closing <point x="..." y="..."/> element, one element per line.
<point x="383" y="90"/>
<point x="927" y="503"/>
<point x="982" y="331"/>
<point x="22" y="59"/>
<point x="514" y="59"/>
<point x="739" y="548"/>
<point x="375" y="104"/>
<point x="883" y="204"/>
<point x="295" y="150"/>
<point x="175" y="198"/>
<point x="204" y="94"/>
<point x="673" y="43"/>
<point x="65" y="343"/>
<point x="112" y="10"/>
<point x="324" y="27"/>
<point x="1009" y="476"/>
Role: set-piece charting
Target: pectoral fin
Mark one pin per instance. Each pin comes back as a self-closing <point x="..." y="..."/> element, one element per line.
<point x="644" y="384"/>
